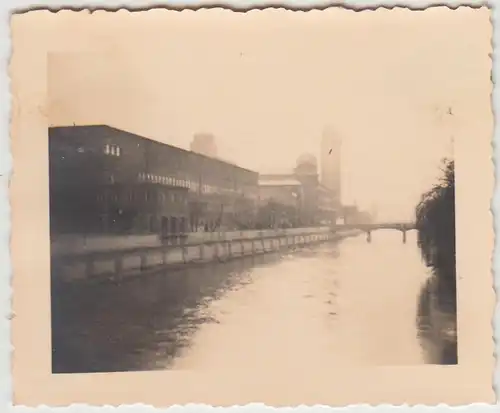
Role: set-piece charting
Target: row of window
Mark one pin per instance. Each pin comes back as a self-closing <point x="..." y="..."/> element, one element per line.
<point x="115" y="150"/>
<point x="224" y="171"/>
<point x="165" y="180"/>
<point x="146" y="196"/>
<point x="111" y="149"/>
<point x="183" y="183"/>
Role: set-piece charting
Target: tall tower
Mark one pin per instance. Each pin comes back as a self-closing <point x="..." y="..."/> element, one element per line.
<point x="331" y="162"/>
<point x="204" y="143"/>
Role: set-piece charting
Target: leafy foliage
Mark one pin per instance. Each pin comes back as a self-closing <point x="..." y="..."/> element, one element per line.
<point x="435" y="222"/>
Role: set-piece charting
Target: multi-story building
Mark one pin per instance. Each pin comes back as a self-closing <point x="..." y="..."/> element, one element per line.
<point x="301" y="191"/>
<point x="280" y="198"/>
<point x="103" y="179"/>
<point x="306" y="172"/>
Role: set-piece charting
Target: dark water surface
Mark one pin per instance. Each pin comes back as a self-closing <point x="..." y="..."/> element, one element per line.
<point x="122" y="326"/>
<point x="353" y="302"/>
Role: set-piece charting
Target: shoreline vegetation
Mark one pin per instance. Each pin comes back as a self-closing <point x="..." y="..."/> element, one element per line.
<point x="437" y="302"/>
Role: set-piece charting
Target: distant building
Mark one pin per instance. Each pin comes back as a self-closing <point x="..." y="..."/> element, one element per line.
<point x="353" y="215"/>
<point x="320" y="204"/>
<point x="106" y="180"/>
<point x="279" y="200"/>
<point x="204" y="144"/>
<point x="350" y="214"/>
<point x="284" y="191"/>
<point x="306" y="171"/>
<point x="300" y="190"/>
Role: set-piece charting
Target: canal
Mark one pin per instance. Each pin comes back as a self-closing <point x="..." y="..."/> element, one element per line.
<point x="345" y="303"/>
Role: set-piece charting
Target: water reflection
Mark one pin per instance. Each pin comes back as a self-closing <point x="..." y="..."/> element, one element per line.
<point x="129" y="325"/>
<point x="437" y="324"/>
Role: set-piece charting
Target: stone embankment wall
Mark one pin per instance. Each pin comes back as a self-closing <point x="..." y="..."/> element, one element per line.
<point x="77" y="244"/>
<point x="87" y="261"/>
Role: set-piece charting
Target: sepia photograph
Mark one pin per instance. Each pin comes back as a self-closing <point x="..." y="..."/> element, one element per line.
<point x="273" y="191"/>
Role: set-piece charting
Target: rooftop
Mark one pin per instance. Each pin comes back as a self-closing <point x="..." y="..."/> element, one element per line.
<point x="117" y="130"/>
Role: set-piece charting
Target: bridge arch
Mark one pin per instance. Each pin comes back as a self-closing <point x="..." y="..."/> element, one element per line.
<point x="403" y="227"/>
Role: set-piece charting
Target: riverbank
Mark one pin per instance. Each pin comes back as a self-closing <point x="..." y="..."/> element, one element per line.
<point x="314" y="308"/>
<point x="117" y="264"/>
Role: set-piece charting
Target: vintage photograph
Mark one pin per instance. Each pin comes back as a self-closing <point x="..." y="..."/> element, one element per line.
<point x="226" y="218"/>
<point x="260" y="191"/>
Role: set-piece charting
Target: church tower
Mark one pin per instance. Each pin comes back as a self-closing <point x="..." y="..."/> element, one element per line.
<point x="331" y="160"/>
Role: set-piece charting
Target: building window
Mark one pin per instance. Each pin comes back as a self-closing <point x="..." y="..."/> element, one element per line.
<point x="113" y="150"/>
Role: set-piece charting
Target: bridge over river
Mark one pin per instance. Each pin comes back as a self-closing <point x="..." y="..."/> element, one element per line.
<point x="316" y="307"/>
<point x="368" y="228"/>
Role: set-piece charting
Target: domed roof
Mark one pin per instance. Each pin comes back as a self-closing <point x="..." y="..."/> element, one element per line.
<point x="307" y="159"/>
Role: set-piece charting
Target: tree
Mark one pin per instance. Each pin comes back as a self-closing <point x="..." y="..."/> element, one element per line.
<point x="435" y="222"/>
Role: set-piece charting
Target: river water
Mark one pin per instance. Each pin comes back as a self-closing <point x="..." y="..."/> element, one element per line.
<point x="346" y="303"/>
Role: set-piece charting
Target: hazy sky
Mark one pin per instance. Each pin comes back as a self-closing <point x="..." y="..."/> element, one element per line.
<point x="266" y="86"/>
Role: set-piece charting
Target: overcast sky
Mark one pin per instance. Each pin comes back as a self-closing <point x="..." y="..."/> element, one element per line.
<point x="394" y="85"/>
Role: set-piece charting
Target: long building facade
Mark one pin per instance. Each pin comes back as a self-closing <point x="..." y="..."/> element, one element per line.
<point x="106" y="180"/>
